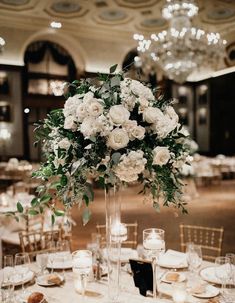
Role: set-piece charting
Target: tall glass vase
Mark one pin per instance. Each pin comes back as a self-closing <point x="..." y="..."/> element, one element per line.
<point x="116" y="232"/>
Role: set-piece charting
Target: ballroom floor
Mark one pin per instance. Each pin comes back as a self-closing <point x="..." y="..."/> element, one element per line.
<point x="214" y="207"/>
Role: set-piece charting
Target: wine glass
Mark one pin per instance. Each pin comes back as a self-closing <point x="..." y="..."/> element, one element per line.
<point x="22" y="263"/>
<point x="8" y="274"/>
<point x="223" y="271"/>
<point x="82" y="266"/>
<point x="52" y="247"/>
<point x="42" y="259"/>
<point x="231" y="257"/>
<point x="154" y="245"/>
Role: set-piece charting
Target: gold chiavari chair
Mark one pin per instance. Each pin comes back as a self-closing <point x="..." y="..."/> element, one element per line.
<point x="209" y="238"/>
<point x="38" y="241"/>
<point x="132" y="234"/>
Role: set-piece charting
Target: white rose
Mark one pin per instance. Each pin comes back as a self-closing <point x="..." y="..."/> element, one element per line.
<point x="95" y="109"/>
<point x="105" y="127"/>
<point x="118" y="138"/>
<point x="118" y="114"/>
<point x="81" y="112"/>
<point x="64" y="143"/>
<point x="89" y="127"/>
<point x="152" y="114"/>
<point x="161" y="155"/>
<point x="69" y="123"/>
<point x="143" y="104"/>
<point x="70" y="105"/>
<point x="138" y="132"/>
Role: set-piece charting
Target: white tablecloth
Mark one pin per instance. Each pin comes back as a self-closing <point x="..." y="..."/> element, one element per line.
<point x="97" y="291"/>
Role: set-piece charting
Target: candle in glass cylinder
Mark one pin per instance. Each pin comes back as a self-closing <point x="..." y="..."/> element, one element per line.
<point x="154" y="242"/>
<point x="118" y="232"/>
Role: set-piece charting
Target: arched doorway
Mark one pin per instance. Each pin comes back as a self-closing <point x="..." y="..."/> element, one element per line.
<point x="47" y="67"/>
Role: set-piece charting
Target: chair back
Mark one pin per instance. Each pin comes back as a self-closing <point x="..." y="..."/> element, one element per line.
<point x="132" y="234"/>
<point x="209" y="238"/>
<point x="38" y="241"/>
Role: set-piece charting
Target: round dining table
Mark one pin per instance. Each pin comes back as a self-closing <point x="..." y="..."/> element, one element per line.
<point x="97" y="291"/>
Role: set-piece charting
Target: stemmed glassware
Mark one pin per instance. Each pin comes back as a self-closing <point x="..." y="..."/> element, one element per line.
<point x="82" y="266"/>
<point x="22" y="263"/>
<point x="63" y="248"/>
<point x="223" y="271"/>
<point x="194" y="256"/>
<point x="42" y="259"/>
<point x="8" y="274"/>
<point x="154" y="245"/>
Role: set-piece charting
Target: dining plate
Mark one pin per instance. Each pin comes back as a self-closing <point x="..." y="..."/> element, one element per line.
<point x="43" y="280"/>
<point x="173" y="259"/>
<point x="210" y="292"/>
<point x="181" y="277"/>
<point x="126" y="254"/>
<point x="208" y="274"/>
<point x="16" y="279"/>
<point x="60" y="261"/>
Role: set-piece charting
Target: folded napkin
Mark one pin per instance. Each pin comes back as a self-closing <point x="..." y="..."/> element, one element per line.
<point x="173" y="258"/>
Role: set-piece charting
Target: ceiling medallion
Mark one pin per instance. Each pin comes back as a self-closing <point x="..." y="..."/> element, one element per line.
<point x="153" y="22"/>
<point x="221" y="13"/>
<point x="14" y="2"/>
<point x="112" y="15"/>
<point x="182" y="48"/>
<point x="65" y="7"/>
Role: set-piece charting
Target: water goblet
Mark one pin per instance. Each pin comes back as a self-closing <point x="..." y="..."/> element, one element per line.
<point x="154" y="245"/>
<point x="194" y="257"/>
<point x="8" y="274"/>
<point x="82" y="266"/>
<point x="41" y="260"/>
<point x="22" y="262"/>
<point x="63" y="249"/>
<point x="223" y="272"/>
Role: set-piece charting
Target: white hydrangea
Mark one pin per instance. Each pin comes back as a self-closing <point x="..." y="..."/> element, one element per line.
<point x="71" y="105"/>
<point x="141" y="90"/>
<point x="105" y="127"/>
<point x="64" y="143"/>
<point x="69" y="123"/>
<point x="89" y="127"/>
<point x="130" y="166"/>
<point x="161" y="155"/>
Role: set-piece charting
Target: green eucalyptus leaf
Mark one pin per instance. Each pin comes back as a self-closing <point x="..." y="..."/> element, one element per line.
<point x="20" y="208"/>
<point x="52" y="219"/>
<point x="45" y="198"/>
<point x="113" y="68"/>
<point x="35" y="201"/>
<point x="116" y="157"/>
<point x="33" y="212"/>
<point x="63" y="180"/>
<point x="58" y="212"/>
<point x="86" y="215"/>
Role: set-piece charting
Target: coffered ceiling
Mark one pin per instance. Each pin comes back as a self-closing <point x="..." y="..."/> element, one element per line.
<point x="109" y="18"/>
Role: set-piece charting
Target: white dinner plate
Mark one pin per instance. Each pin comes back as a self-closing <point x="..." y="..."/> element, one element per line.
<point x="181" y="277"/>
<point x="58" y="262"/>
<point x="16" y="279"/>
<point x="126" y="254"/>
<point x="43" y="280"/>
<point x="208" y="274"/>
<point x="173" y="259"/>
<point x="210" y="292"/>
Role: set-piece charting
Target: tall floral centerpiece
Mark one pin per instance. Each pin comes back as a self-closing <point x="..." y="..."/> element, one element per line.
<point x="115" y="132"/>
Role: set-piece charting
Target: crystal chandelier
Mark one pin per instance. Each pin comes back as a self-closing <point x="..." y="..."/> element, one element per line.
<point x="182" y="48"/>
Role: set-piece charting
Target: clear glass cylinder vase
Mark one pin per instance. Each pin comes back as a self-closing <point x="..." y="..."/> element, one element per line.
<point x="114" y="238"/>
